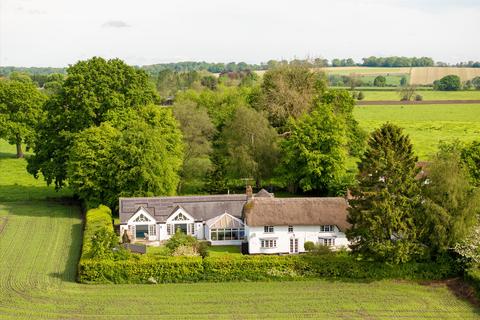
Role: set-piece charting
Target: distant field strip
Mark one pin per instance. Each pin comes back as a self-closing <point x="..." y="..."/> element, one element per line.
<point x="427" y="125"/>
<point x="426" y="75"/>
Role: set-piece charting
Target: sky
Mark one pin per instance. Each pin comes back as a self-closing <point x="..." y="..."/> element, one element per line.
<point x="57" y="33"/>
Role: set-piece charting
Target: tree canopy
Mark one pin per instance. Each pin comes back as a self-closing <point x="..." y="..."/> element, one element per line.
<point x="92" y="89"/>
<point x="21" y="108"/>
<point x="133" y="153"/>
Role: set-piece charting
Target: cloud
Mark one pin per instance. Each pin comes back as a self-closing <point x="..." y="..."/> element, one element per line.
<point x="116" y="24"/>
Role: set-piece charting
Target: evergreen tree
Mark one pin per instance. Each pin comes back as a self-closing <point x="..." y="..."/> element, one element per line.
<point x="386" y="201"/>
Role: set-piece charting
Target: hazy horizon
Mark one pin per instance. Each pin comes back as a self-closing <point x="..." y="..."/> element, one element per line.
<point x="55" y="33"/>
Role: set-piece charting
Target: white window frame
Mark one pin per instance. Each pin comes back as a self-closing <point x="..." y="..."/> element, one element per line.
<point x="187" y="219"/>
<point x="268" y="243"/>
<point x="290" y="229"/>
<point x="327" y="228"/>
<point x="327" y="241"/>
<point x="268" y="229"/>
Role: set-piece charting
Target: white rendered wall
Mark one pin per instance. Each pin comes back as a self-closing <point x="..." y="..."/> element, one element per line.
<point x="281" y="234"/>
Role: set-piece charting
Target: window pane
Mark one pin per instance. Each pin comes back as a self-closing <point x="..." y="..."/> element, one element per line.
<point x="213" y="234"/>
<point x="242" y="234"/>
<point x="221" y="234"/>
<point x="234" y="234"/>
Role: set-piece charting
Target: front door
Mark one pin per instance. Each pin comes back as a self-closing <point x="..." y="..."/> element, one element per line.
<point x="293" y="245"/>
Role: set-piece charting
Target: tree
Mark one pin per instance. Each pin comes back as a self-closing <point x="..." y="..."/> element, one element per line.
<point x="198" y="131"/>
<point x="133" y="153"/>
<point x="92" y="89"/>
<point x="380" y="81"/>
<point x="318" y="143"/>
<point x="407" y="92"/>
<point x="288" y="91"/>
<point x="448" y="83"/>
<point x="471" y="158"/>
<point x="450" y="203"/>
<point x="250" y="145"/>
<point x="476" y="83"/>
<point x="403" y="81"/>
<point x="209" y="82"/>
<point x="21" y="106"/>
<point x="386" y="201"/>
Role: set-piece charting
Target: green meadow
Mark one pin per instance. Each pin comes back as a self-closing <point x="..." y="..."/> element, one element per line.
<point x="427" y="125"/>
<point x="40" y="240"/>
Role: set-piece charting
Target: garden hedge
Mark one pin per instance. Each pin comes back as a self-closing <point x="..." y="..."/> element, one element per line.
<point x="252" y="268"/>
<point x="95" y="219"/>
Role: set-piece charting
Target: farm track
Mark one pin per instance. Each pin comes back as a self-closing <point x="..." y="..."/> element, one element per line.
<point x="397" y="103"/>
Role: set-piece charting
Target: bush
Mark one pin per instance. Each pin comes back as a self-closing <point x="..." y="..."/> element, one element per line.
<point x="354" y="95"/>
<point x="98" y="223"/>
<point x="309" y="246"/>
<point x="448" y="83"/>
<point x="360" y="96"/>
<point x="418" y="97"/>
<point x="180" y="239"/>
<point x="472" y="275"/>
<point x="476" y="83"/>
<point x="380" y="81"/>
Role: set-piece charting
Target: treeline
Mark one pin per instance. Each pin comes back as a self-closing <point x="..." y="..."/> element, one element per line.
<point x="397" y="62"/>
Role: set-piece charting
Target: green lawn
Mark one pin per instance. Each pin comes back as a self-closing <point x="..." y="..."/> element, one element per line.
<point x="427" y="95"/>
<point x="40" y="247"/>
<point x="427" y="125"/>
<point x="223" y="250"/>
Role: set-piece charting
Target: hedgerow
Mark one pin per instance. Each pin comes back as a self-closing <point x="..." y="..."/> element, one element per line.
<point x="254" y="268"/>
<point x="96" y="219"/>
<point x="170" y="269"/>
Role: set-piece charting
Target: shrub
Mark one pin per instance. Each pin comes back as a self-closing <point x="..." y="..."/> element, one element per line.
<point x="96" y="219"/>
<point x="380" y="81"/>
<point x="321" y="249"/>
<point x="180" y="239"/>
<point x="472" y="275"/>
<point x="448" y="83"/>
<point x="185" y="251"/>
<point x="102" y="243"/>
<point x="418" y="97"/>
<point x="354" y="95"/>
<point x="309" y="246"/>
<point x="476" y="83"/>
<point x="360" y="96"/>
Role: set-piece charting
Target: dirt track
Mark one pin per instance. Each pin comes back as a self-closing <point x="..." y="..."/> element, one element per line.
<point x="395" y="103"/>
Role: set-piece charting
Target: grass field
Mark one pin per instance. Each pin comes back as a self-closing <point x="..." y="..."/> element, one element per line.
<point x="427" y="95"/>
<point x="40" y="247"/>
<point x="366" y="70"/>
<point x="427" y="125"/>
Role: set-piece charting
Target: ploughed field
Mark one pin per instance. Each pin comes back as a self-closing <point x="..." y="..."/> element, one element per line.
<point x="40" y="246"/>
<point x="427" y="125"/>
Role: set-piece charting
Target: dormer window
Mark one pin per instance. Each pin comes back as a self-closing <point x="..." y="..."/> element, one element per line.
<point x="290" y="229"/>
<point x="268" y="229"/>
<point x="327" y="228"/>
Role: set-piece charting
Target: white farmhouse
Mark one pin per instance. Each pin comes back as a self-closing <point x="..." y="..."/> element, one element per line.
<point x="269" y="225"/>
<point x="283" y="225"/>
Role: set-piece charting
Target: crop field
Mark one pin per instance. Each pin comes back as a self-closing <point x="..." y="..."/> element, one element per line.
<point x="366" y="70"/>
<point x="426" y="75"/>
<point x="371" y="95"/>
<point x="40" y="247"/>
<point x="427" y="125"/>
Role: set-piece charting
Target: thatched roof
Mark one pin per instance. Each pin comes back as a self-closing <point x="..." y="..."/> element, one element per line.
<point x="263" y="194"/>
<point x="296" y="211"/>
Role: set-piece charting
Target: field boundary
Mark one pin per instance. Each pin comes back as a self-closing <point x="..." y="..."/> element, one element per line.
<point x="395" y="102"/>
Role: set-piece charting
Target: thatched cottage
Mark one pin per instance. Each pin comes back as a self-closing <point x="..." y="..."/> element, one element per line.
<point x="269" y="225"/>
